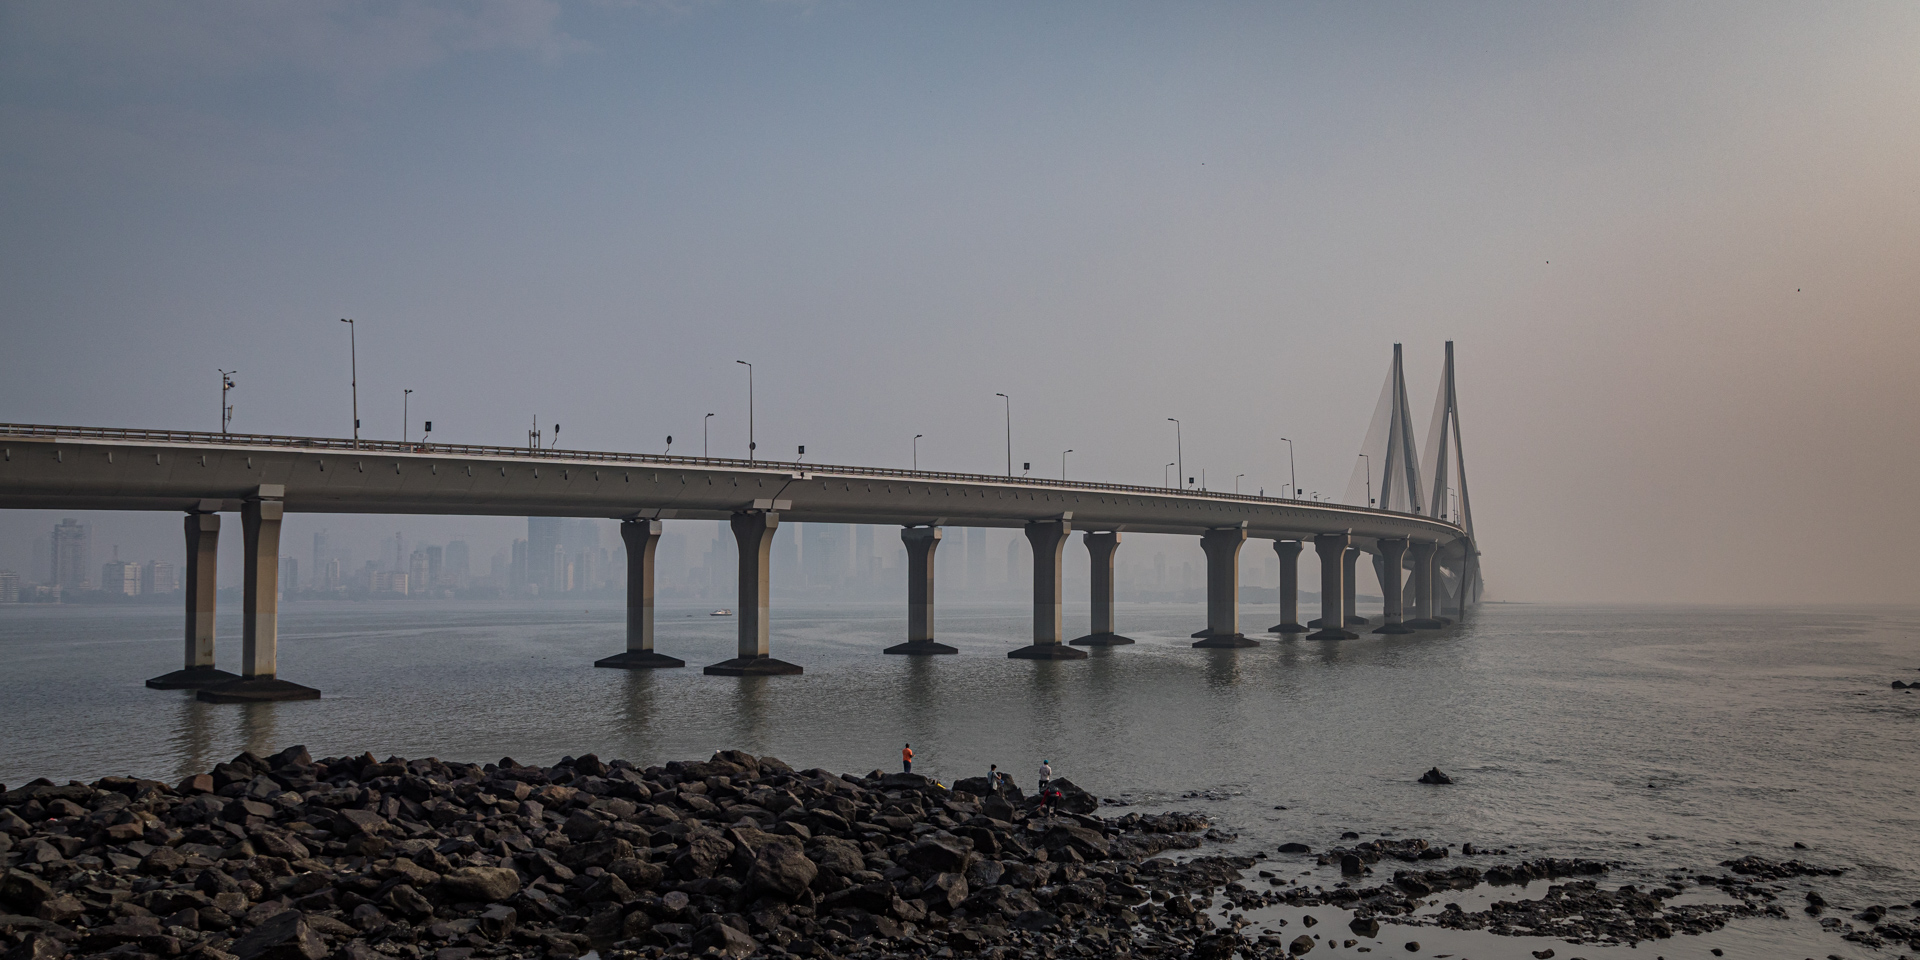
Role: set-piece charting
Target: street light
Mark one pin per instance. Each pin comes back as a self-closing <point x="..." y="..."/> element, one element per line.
<point x="703" y="435"/>
<point x="1009" y="401"/>
<point x="1369" y="461"/>
<point x="750" y="444"/>
<point x="226" y="412"/>
<point x="405" y="418"/>
<point x="1293" y="479"/>
<point x="916" y="450"/>
<point x="1179" y="456"/>
<point x="1063" y="463"/>
<point x="353" y="358"/>
<point x="1236" y="483"/>
<point x="1165" y="477"/>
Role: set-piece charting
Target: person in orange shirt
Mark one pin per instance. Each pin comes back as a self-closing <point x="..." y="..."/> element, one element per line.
<point x="906" y="758"/>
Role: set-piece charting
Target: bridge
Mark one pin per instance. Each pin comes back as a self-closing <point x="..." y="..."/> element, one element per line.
<point x="1419" y="545"/>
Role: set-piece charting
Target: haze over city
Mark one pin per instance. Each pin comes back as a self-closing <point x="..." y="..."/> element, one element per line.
<point x="1673" y="245"/>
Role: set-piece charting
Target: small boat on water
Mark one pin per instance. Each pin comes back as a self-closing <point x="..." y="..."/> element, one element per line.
<point x="723" y="612"/>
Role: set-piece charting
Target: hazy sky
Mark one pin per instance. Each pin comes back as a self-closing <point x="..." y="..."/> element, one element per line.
<point x="1678" y="245"/>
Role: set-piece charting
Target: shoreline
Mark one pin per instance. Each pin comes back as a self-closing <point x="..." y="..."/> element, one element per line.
<point x="287" y="857"/>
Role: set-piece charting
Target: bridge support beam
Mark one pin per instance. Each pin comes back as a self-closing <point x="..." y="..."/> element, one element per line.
<point x="753" y="532"/>
<point x="921" y="543"/>
<point x="203" y="553"/>
<point x="1222" y="546"/>
<point x="1393" y="555"/>
<point x="1049" y="540"/>
<point x="642" y="538"/>
<point x="1333" y="549"/>
<point x="1100" y="550"/>
<point x="1423" y="618"/>
<point x="1289" y="551"/>
<point x="260" y="520"/>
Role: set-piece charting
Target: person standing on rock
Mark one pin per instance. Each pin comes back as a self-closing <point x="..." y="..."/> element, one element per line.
<point x="906" y="758"/>
<point x="993" y="777"/>
<point x="1046" y="774"/>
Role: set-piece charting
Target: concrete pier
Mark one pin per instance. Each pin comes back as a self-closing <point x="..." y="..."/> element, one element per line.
<point x="921" y="543"/>
<point x="1333" y="549"/>
<point x="1352" y="561"/>
<point x="203" y="554"/>
<point x="1049" y="540"/>
<point x="1393" y="555"/>
<point x="1100" y="550"/>
<point x="642" y="538"/>
<point x="1289" y="553"/>
<point x="260" y="519"/>
<point x="753" y="532"/>
<point x="1423" y="618"/>
<point x="1222" y="546"/>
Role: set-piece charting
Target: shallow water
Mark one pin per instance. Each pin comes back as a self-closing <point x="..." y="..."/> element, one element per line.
<point x="1658" y="737"/>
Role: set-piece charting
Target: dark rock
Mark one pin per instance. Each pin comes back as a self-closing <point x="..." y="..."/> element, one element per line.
<point x="1434" y="776"/>
<point x="1364" y="926"/>
<point x="782" y="870"/>
<point x="1295" y="848"/>
<point x="937" y="856"/>
<point x="1301" y="945"/>
<point x="1351" y="866"/>
<point x="724" y="940"/>
<point x="1412" y="946"/>
<point x="481" y="884"/>
<point x="24" y="890"/>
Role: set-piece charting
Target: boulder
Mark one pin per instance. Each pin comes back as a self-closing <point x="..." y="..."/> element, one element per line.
<point x="24" y="890"/>
<point x="944" y="891"/>
<point x="481" y="884"/>
<point x="1899" y="685"/>
<point x="283" y="936"/>
<point x="1295" y="848"/>
<point x="1300" y="945"/>
<point x="1434" y="776"/>
<point x="781" y="870"/>
<point x="937" y="856"/>
<point x="1364" y="926"/>
<point x="1351" y="866"/>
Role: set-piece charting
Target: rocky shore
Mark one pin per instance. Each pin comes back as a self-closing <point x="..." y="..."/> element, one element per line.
<point x="289" y="858"/>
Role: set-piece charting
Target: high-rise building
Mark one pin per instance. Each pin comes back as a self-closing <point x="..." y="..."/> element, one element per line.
<point x="157" y="578"/>
<point x="543" y="544"/>
<point x="289" y="576"/>
<point x="519" y="577"/>
<point x="419" y="575"/>
<point x="436" y="569"/>
<point x="320" y="557"/>
<point x="120" y="577"/>
<point x="586" y="570"/>
<point x="330" y="579"/>
<point x="562" y="567"/>
<point x="824" y="553"/>
<point x="783" y="558"/>
<point x="457" y="570"/>
<point x="1013" y="562"/>
<point x="9" y="587"/>
<point x="71" y="554"/>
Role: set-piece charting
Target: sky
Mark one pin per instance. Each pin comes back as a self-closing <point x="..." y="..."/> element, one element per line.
<point x="1674" y="244"/>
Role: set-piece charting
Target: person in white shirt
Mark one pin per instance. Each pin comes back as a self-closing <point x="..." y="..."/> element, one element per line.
<point x="1046" y="773"/>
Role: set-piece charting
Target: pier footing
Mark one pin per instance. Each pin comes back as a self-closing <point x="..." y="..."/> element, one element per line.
<point x="1333" y="635"/>
<point x="1047" y="651"/>
<point x="257" y="690"/>
<point x="1102" y="640"/>
<point x="193" y="678"/>
<point x="753" y="667"/>
<point x="1226" y="641"/>
<point x="640" y="660"/>
<point x="1287" y="628"/>
<point x="921" y="648"/>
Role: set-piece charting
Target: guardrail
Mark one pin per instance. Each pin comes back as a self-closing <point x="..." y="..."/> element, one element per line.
<point x="46" y="432"/>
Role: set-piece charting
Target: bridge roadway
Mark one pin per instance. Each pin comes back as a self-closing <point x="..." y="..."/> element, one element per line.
<point x="265" y="477"/>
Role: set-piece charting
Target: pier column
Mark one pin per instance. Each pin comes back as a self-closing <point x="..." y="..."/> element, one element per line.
<point x="203" y="553"/>
<point x="1423" y="618"/>
<point x="1289" y="551"/>
<point x="1222" y="546"/>
<point x="1333" y="549"/>
<point x="1351" y="580"/>
<point x="753" y="532"/>
<point x="642" y="538"/>
<point x="260" y="607"/>
<point x="1049" y="540"/>
<point x="1393" y="554"/>
<point x="921" y="543"/>
<point x="1100" y="550"/>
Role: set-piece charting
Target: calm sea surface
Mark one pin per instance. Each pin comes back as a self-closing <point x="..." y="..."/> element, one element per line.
<point x="1658" y="737"/>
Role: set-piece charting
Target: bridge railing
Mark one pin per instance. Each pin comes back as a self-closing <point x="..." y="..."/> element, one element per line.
<point x="47" y="432"/>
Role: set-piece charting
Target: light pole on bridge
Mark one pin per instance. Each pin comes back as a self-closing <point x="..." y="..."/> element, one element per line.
<point x="406" y="418"/>
<point x="916" y="451"/>
<point x="1063" y="463"/>
<point x="353" y="369"/>
<point x="703" y="435"/>
<point x="1179" y="453"/>
<point x="751" y="446"/>
<point x="1369" y="461"/>
<point x="1293" y="479"/>
<point x="1236" y="483"/>
<point x="226" y="410"/>
<point x="1165" y="480"/>
<point x="1009" y="401"/>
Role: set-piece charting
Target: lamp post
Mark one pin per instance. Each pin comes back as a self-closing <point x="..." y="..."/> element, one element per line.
<point x="1369" y="461"/>
<point x="703" y="435"/>
<point x="353" y="359"/>
<point x="1009" y="401"/>
<point x="916" y="450"/>
<point x="1293" y="479"/>
<point x="1164" y="477"/>
<point x="226" y="412"/>
<point x="750" y="444"/>
<point x="1179" y="454"/>
<point x="1236" y="483"/>
<point x="405" y="419"/>
<point x="1063" y="463"/>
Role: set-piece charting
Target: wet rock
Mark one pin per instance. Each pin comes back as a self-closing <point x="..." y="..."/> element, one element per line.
<point x="1301" y="945"/>
<point x="1434" y="776"/>
<point x="1295" y="848"/>
<point x="782" y="870"/>
<point x="481" y="884"/>
<point x="1364" y="926"/>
